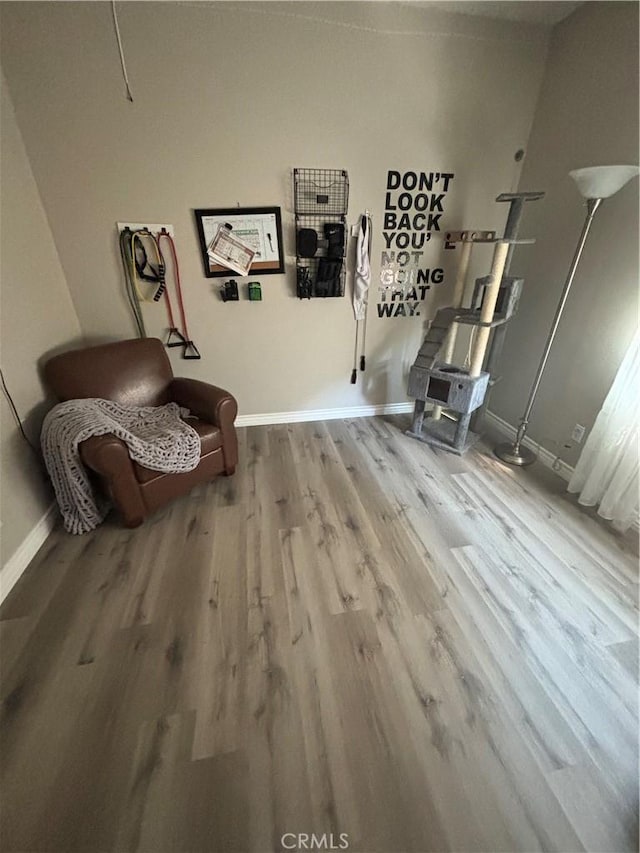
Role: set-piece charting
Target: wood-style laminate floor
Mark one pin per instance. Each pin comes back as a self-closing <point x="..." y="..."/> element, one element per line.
<point x="355" y="634"/>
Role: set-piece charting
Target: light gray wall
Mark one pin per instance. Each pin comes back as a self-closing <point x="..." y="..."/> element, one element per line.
<point x="587" y="115"/>
<point x="230" y="97"/>
<point x="36" y="319"/>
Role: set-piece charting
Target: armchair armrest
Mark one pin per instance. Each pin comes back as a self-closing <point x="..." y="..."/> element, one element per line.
<point x="106" y="455"/>
<point x="109" y="457"/>
<point x="211" y="404"/>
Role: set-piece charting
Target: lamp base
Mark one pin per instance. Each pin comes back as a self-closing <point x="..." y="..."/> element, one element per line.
<point x="514" y="455"/>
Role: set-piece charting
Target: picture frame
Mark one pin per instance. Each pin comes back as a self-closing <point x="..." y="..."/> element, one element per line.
<point x="260" y="228"/>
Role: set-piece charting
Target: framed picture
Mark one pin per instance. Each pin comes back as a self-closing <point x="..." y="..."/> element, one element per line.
<point x="257" y="229"/>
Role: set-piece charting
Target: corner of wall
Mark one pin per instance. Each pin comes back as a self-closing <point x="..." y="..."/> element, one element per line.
<point x="38" y="317"/>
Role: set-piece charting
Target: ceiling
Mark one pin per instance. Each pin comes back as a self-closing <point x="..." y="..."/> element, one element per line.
<point x="546" y="12"/>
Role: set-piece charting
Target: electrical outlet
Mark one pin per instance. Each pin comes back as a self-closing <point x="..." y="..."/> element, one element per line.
<point x="578" y="433"/>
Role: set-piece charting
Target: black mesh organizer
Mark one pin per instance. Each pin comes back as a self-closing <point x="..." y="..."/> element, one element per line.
<point x="321" y="200"/>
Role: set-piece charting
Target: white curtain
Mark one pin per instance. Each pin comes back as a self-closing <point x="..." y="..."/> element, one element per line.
<point x="607" y="472"/>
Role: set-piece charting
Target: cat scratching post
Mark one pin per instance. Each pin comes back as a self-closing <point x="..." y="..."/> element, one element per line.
<point x="433" y="378"/>
<point x="458" y="296"/>
<point x="484" y="330"/>
<point x="488" y="307"/>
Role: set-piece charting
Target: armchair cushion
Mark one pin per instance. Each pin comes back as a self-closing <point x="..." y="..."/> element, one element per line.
<point x="210" y="440"/>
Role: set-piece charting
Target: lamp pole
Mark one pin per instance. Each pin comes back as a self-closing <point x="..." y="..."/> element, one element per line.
<point x="516" y="454"/>
<point x="595" y="183"/>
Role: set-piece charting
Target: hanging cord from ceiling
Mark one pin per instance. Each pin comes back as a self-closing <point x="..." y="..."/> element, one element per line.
<point x="16" y="416"/>
<point x="121" y="50"/>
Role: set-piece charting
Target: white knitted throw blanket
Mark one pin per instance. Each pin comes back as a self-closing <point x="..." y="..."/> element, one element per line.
<point x="157" y="438"/>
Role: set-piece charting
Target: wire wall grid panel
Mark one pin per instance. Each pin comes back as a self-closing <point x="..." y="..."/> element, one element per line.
<point x="321" y="192"/>
<point x="321" y="200"/>
<point x="317" y="224"/>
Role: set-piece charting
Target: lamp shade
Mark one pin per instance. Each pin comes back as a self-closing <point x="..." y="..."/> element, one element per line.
<point x="603" y="181"/>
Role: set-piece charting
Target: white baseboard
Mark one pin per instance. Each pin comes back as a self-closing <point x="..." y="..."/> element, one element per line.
<point x="562" y="469"/>
<point x="324" y="414"/>
<point x="16" y="564"/>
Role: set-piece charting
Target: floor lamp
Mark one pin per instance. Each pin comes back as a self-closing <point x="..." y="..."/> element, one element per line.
<point x="595" y="184"/>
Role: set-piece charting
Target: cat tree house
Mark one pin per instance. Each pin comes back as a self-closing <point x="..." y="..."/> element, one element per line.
<point x="456" y="392"/>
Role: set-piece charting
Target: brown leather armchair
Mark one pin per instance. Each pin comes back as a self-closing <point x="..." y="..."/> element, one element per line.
<point x="138" y="372"/>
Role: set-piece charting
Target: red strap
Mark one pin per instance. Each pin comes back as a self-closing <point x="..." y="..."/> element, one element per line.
<point x="178" y="285"/>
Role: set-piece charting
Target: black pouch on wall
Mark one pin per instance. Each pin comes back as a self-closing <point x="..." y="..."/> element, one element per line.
<point x="328" y="278"/>
<point x="334" y="232"/>
<point x="306" y="242"/>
